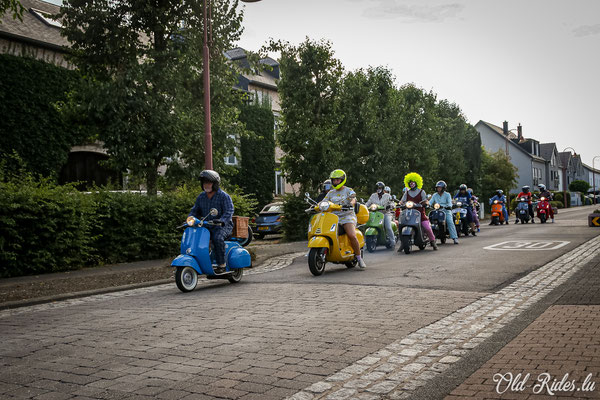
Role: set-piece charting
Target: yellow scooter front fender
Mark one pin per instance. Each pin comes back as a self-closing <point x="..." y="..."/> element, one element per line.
<point x="318" y="241"/>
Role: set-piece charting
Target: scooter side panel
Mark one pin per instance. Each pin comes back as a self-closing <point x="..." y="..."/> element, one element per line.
<point x="186" y="261"/>
<point x="238" y="257"/>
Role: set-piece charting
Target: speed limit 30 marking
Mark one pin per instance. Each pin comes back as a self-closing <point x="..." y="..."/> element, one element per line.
<point x="528" y="245"/>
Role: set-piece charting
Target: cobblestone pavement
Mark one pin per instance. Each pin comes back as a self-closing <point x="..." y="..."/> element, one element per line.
<point x="395" y="371"/>
<point x="563" y="340"/>
<point x="272" y="264"/>
<point x="253" y="340"/>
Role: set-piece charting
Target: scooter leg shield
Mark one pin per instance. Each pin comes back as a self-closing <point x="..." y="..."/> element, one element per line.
<point x="187" y="261"/>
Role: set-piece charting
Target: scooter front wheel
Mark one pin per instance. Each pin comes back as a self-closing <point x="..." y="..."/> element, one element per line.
<point x="316" y="261"/>
<point x="406" y="244"/>
<point x="236" y="275"/>
<point x="186" y="279"/>
<point x="371" y="243"/>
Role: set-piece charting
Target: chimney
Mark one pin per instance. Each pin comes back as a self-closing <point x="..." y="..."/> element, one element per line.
<point x="520" y="132"/>
<point x="505" y="128"/>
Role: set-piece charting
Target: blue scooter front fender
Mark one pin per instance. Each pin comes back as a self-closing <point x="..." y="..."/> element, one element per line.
<point x="407" y="231"/>
<point x="186" y="261"/>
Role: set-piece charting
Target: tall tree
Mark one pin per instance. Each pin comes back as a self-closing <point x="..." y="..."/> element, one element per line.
<point x="142" y="66"/>
<point x="308" y="127"/>
<point x="497" y="172"/>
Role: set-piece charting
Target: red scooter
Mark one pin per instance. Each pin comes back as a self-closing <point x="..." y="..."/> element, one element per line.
<point x="543" y="209"/>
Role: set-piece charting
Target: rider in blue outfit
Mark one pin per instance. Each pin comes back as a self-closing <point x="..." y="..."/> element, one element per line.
<point x="501" y="199"/>
<point x="444" y="199"/>
<point x="465" y="197"/>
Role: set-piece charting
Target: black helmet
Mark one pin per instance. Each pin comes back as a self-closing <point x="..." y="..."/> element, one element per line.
<point x="525" y="189"/>
<point x="208" y="175"/>
<point x="462" y="187"/>
<point x="499" y="192"/>
<point x="326" y="186"/>
<point x="379" y="185"/>
<point x="441" y="184"/>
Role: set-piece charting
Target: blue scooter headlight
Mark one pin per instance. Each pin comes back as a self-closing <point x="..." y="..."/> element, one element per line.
<point x="191" y="221"/>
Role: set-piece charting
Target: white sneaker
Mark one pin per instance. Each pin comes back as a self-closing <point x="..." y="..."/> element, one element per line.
<point x="361" y="264"/>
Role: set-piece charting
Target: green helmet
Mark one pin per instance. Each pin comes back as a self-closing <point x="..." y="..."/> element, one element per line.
<point x="338" y="174"/>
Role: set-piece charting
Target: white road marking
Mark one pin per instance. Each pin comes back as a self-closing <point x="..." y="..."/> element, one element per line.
<point x="528" y="245"/>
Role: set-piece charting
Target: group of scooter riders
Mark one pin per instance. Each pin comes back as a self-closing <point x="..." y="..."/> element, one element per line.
<point x="335" y="192"/>
<point x="525" y="196"/>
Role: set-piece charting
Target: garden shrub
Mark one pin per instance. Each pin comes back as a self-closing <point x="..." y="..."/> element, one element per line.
<point x="295" y="221"/>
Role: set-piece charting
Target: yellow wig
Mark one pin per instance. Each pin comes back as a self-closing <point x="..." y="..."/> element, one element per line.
<point x="413" y="177"/>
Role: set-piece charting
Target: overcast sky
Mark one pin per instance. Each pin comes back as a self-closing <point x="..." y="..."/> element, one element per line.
<point x="536" y="62"/>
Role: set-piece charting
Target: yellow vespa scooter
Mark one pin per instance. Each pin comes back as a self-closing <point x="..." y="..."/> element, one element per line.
<point x="327" y="239"/>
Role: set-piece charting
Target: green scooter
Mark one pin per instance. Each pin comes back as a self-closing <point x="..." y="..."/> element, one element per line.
<point x="374" y="230"/>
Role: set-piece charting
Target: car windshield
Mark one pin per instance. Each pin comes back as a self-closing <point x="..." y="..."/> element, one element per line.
<point x="273" y="208"/>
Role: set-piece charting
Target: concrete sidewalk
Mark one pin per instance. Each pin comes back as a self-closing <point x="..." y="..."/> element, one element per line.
<point x="36" y="289"/>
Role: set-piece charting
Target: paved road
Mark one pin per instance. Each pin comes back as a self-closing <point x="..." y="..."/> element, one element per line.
<point x="278" y="333"/>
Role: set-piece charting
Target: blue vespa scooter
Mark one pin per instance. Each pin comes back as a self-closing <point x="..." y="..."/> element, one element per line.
<point x="196" y="258"/>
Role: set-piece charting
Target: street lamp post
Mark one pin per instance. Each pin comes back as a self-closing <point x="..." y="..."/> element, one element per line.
<point x="594" y="178"/>
<point x="208" y="159"/>
<point x="565" y="178"/>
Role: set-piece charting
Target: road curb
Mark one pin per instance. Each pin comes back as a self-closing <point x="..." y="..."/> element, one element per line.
<point x="112" y="289"/>
<point x="76" y="295"/>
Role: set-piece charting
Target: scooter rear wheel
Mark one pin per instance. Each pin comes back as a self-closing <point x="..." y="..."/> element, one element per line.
<point x="543" y="218"/>
<point x="186" y="279"/>
<point x="236" y="275"/>
<point x="316" y="261"/>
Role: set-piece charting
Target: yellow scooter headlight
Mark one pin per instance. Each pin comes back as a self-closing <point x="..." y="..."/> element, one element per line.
<point x="324" y="206"/>
<point x="190" y="220"/>
<point x="410" y="204"/>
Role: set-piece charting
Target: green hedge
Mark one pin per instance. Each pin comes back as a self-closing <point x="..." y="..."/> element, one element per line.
<point x="557" y="204"/>
<point x="47" y="228"/>
<point x="44" y="228"/>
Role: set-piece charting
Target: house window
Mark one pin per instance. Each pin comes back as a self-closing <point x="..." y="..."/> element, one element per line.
<point x="279" y="183"/>
<point x="46" y="18"/>
<point x="232" y="158"/>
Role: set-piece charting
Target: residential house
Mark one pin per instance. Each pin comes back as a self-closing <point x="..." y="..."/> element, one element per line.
<point x="262" y="84"/>
<point x="38" y="36"/>
<point x="538" y="163"/>
<point x="573" y="169"/>
<point x="553" y="170"/>
<point x="592" y="177"/>
<point x="529" y="165"/>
